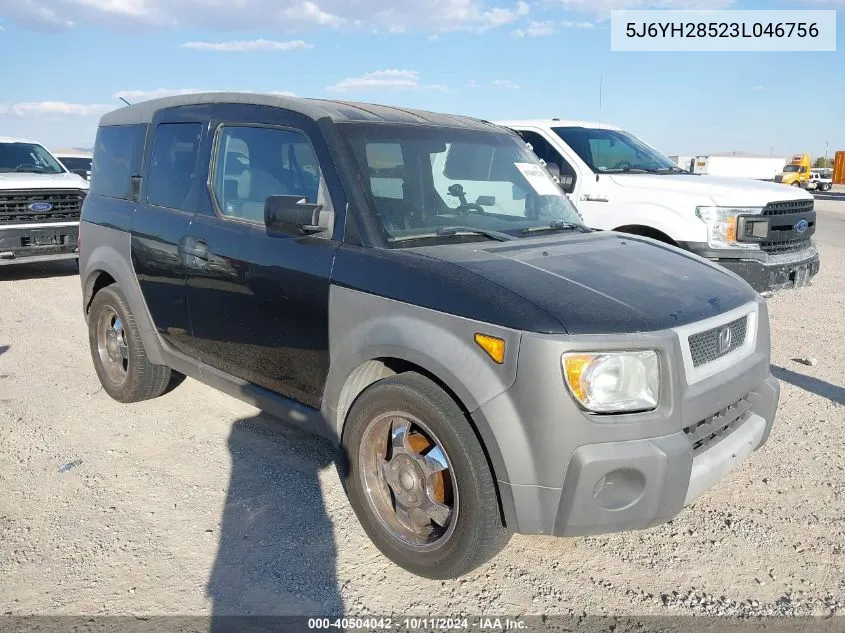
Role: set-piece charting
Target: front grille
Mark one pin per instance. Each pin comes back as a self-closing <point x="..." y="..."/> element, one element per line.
<point x="713" y="429"/>
<point x="14" y="206"/>
<point x="704" y="347"/>
<point x="788" y="207"/>
<point x="787" y="246"/>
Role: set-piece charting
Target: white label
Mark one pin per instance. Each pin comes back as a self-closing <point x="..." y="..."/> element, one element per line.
<point x="722" y="30"/>
<point x="539" y="179"/>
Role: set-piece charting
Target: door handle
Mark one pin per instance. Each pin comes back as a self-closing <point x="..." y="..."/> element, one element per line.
<point x="193" y="252"/>
<point x="198" y="249"/>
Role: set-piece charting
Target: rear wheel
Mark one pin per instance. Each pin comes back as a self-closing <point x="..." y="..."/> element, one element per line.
<point x="419" y="481"/>
<point x="118" y="353"/>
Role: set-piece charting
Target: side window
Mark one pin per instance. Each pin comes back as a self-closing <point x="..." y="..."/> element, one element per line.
<point x="253" y="163"/>
<point x="173" y="165"/>
<point x="387" y="170"/>
<point x="544" y="150"/>
<point x="118" y="151"/>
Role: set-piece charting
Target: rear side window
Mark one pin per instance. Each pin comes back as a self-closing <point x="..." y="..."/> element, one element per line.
<point x="173" y="164"/>
<point x="118" y="151"/>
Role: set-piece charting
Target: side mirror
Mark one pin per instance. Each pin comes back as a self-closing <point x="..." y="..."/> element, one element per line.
<point x="486" y="201"/>
<point x="566" y="182"/>
<point x="292" y="215"/>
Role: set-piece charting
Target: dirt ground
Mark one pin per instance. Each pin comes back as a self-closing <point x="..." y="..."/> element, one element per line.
<point x="195" y="503"/>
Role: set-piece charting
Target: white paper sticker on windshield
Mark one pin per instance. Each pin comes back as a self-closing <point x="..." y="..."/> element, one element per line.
<point x="539" y="179"/>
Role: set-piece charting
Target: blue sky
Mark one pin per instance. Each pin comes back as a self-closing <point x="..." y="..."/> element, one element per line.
<point x="65" y="62"/>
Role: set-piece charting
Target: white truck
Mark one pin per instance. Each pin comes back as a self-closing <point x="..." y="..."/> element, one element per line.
<point x="40" y="203"/>
<point x="819" y="182"/>
<point x="738" y="166"/>
<point x="761" y="231"/>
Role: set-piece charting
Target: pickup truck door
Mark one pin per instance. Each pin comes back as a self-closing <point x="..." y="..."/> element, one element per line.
<point x="259" y="300"/>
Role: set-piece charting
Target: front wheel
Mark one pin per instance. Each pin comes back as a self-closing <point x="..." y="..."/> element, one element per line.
<point x="796" y="184"/>
<point x="419" y="480"/>
<point x="118" y="353"/>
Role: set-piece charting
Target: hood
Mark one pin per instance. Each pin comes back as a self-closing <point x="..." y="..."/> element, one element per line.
<point x="715" y="190"/>
<point x="603" y="283"/>
<point x="18" y="180"/>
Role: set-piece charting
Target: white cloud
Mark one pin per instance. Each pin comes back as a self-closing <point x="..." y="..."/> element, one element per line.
<point x="536" y="29"/>
<point x="505" y="83"/>
<point x="282" y="15"/>
<point x="54" y="109"/>
<point x="243" y="46"/>
<point x="758" y="88"/>
<point x="604" y="7"/>
<point x="472" y="83"/>
<point x="390" y="79"/>
<point x="567" y="24"/>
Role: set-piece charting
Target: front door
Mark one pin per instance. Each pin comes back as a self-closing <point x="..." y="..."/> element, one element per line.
<point x="259" y="300"/>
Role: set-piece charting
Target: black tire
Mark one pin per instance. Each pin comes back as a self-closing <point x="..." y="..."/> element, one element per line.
<point x="796" y="184"/>
<point x="142" y="380"/>
<point x="478" y="534"/>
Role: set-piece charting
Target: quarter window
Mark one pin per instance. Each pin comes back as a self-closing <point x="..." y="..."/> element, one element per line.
<point x="254" y="163"/>
<point x="118" y="151"/>
<point x="174" y="164"/>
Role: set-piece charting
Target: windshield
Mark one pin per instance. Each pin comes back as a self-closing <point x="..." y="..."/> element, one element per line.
<point x="27" y="157"/>
<point x="76" y="162"/>
<point x="792" y="168"/>
<point x="446" y="183"/>
<point x="615" y="151"/>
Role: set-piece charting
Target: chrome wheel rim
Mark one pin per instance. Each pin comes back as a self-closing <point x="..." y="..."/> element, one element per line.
<point x="112" y="347"/>
<point x="409" y="481"/>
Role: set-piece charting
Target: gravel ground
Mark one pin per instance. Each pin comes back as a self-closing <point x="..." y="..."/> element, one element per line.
<point x="196" y="503"/>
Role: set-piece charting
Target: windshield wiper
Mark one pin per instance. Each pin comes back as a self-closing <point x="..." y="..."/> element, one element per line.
<point x="557" y="225"/>
<point x="450" y="231"/>
<point x="32" y="171"/>
<point x="627" y="170"/>
<point x="671" y="170"/>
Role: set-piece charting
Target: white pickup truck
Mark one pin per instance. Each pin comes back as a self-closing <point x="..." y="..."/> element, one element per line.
<point x="759" y="230"/>
<point x="40" y="203"/>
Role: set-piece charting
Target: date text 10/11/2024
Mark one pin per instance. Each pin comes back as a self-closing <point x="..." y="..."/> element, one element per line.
<point x="421" y="623"/>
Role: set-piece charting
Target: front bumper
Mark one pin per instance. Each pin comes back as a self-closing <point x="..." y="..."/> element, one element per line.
<point x="20" y="244"/>
<point x="567" y="473"/>
<point x="763" y="272"/>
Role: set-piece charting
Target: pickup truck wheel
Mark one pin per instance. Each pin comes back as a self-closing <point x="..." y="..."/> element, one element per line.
<point x="419" y="481"/>
<point x="119" y="358"/>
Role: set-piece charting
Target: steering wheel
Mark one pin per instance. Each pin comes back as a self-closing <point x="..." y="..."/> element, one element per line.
<point x="623" y="164"/>
<point x="26" y="166"/>
<point x="470" y="207"/>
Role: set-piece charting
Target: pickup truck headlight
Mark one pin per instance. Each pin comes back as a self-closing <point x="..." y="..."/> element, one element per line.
<point x="613" y="382"/>
<point x="721" y="225"/>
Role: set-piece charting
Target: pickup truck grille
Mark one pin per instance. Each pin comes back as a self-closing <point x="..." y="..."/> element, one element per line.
<point x="788" y="207"/>
<point x="705" y="346"/>
<point x="15" y="206"/>
<point x="713" y="429"/>
<point x="788" y="246"/>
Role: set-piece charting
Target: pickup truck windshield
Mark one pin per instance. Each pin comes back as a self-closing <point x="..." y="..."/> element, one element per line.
<point x="447" y="184"/>
<point x="76" y="162"/>
<point x="27" y="158"/>
<point x="615" y="151"/>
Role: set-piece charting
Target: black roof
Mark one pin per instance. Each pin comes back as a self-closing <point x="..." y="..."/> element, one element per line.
<point x="313" y="108"/>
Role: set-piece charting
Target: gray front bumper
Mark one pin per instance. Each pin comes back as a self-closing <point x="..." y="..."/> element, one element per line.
<point x="567" y="473"/>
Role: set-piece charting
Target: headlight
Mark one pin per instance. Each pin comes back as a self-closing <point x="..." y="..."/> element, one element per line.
<point x="721" y="225"/>
<point x="613" y="382"/>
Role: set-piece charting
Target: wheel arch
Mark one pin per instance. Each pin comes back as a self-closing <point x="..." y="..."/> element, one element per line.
<point x="374" y="370"/>
<point x="646" y="231"/>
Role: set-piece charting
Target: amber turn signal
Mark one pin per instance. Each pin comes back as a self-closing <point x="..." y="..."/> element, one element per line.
<point x="495" y="347"/>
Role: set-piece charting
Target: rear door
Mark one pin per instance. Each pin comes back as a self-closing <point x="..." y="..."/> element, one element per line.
<point x="170" y="189"/>
<point x="259" y="300"/>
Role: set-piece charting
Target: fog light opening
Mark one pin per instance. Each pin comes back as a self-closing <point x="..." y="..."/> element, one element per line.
<point x="619" y="489"/>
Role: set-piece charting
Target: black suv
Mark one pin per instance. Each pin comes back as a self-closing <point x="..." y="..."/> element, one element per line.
<point x="418" y="287"/>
